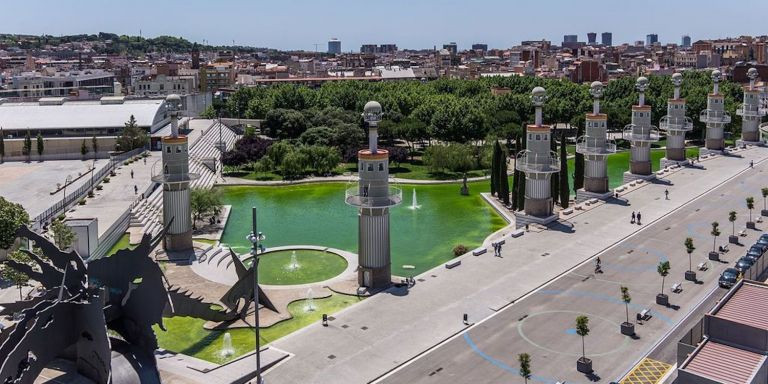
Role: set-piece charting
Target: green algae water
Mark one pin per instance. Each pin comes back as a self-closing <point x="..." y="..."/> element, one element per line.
<point x="315" y="214"/>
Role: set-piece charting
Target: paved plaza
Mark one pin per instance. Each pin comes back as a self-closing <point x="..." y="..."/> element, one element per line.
<point x="387" y="331"/>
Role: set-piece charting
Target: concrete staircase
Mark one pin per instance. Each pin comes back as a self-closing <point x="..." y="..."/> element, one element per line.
<point x="148" y="215"/>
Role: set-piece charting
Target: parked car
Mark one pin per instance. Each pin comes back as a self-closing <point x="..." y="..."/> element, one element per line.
<point x="760" y="246"/>
<point x="752" y="257"/>
<point x="728" y="277"/>
<point x="764" y="236"/>
<point x="762" y="240"/>
<point x="743" y="264"/>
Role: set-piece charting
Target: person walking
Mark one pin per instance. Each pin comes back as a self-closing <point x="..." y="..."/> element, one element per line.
<point x="666" y="194"/>
<point x="135" y="190"/>
<point x="633" y="218"/>
<point x="751" y="163"/>
<point x="145" y="161"/>
<point x="131" y="173"/>
<point x="638" y="218"/>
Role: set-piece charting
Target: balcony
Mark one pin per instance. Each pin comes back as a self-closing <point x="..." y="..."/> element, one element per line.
<point x="531" y="162"/>
<point x="357" y="197"/>
<point x="713" y="116"/>
<point x="752" y="111"/>
<point x="676" y="124"/>
<point x="589" y="146"/>
<point x="636" y="133"/>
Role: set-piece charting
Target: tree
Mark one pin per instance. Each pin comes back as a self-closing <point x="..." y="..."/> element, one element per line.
<point x="26" y="150"/>
<point x="689" y="248"/>
<point x="17" y="278"/>
<point x="83" y="148"/>
<point x="209" y="112"/>
<point x="63" y="235"/>
<point x="732" y="219"/>
<point x="40" y="146"/>
<point x="503" y="180"/>
<point x="663" y="270"/>
<point x="750" y="205"/>
<point x="2" y="146"/>
<point x="494" y="168"/>
<point x="582" y="329"/>
<point x="715" y="233"/>
<point x="626" y="299"/>
<point x="578" y="165"/>
<point x="565" y="193"/>
<point x="554" y="179"/>
<point x="12" y="216"/>
<point x="525" y="366"/>
<point x="516" y="179"/>
<point x="763" y="190"/>
<point x="204" y="203"/>
<point x="95" y="146"/>
<point x="263" y="166"/>
<point x="132" y="136"/>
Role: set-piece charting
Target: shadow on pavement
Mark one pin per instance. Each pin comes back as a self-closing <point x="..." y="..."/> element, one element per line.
<point x="661" y="181"/>
<point x="593" y="377"/>
<point x="618" y="201"/>
<point x="561" y="226"/>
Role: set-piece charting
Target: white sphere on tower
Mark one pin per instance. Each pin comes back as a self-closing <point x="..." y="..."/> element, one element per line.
<point x="716" y="75"/>
<point x="752" y="73"/>
<point x="538" y="96"/>
<point x="677" y="79"/>
<point x="596" y="89"/>
<point x="641" y="84"/>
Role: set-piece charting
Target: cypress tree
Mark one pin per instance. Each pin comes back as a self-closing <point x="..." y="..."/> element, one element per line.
<point x="503" y="181"/>
<point x="565" y="193"/>
<point x="554" y="181"/>
<point x="40" y="146"/>
<point x="26" y="150"/>
<point x="495" y="169"/>
<point x="515" y="177"/>
<point x="521" y="175"/>
<point x="2" y="146"/>
<point x="578" y="167"/>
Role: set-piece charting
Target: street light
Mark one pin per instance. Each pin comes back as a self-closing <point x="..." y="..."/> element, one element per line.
<point x="256" y="237"/>
<point x="66" y="182"/>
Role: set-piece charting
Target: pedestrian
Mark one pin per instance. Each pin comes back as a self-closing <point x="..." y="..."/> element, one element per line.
<point x="638" y="218"/>
<point x="135" y="190"/>
<point x="633" y="218"/>
<point x="145" y="161"/>
<point x="666" y="194"/>
<point x="751" y="163"/>
<point x="698" y="160"/>
<point x="500" y="244"/>
<point x="131" y="173"/>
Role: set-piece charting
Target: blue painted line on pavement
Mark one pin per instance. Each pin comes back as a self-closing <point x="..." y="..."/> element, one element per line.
<point x="501" y="364"/>
<point x="601" y="297"/>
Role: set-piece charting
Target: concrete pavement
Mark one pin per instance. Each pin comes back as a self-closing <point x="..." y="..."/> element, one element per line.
<point x="377" y="335"/>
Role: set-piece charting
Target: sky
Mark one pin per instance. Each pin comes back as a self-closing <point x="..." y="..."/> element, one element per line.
<point x="300" y="24"/>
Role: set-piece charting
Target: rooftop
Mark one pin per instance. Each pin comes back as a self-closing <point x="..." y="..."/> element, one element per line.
<point x="724" y="364"/>
<point x="748" y="305"/>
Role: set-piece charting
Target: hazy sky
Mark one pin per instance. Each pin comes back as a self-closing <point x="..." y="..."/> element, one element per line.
<point x="299" y="24"/>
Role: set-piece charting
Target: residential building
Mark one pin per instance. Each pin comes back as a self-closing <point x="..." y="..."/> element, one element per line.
<point x="606" y="38"/>
<point x="480" y="47"/>
<point x="686" y="41"/>
<point x="217" y="75"/>
<point x="570" y="39"/>
<point x="452" y="48"/>
<point x="158" y="85"/>
<point x="334" y="46"/>
<point x="651" y="39"/>
<point x="591" y="38"/>
<point x="79" y="84"/>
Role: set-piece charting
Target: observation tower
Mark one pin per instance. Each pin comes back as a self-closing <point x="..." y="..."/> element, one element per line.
<point x="373" y="196"/>
<point x="176" y="179"/>
<point x="641" y="134"/>
<point x="750" y="112"/>
<point x="595" y="146"/>
<point x="538" y="163"/>
<point x="715" y="117"/>
<point x="676" y="125"/>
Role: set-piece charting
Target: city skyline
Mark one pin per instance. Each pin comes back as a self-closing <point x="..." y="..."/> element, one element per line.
<point x="425" y="24"/>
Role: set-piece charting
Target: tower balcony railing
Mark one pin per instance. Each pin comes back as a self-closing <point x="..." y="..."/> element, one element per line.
<point x="764" y="128"/>
<point x="646" y="134"/>
<point x="590" y="146"/>
<point x="747" y="110"/>
<point x="158" y="175"/>
<point x="714" y="116"/>
<point x="676" y="124"/>
<point x="532" y="162"/>
<point x="359" y="197"/>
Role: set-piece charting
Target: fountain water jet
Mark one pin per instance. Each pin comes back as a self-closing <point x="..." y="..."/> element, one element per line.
<point x="294" y="263"/>
<point x="226" y="346"/>
<point x="414" y="201"/>
<point x="310" y="305"/>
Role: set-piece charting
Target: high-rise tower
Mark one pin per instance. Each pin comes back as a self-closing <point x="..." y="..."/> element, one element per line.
<point x="595" y="147"/>
<point x="373" y="196"/>
<point x="750" y="112"/>
<point x="176" y="179"/>
<point x="675" y="124"/>
<point x="538" y="163"/>
<point x="715" y="117"/>
<point x="641" y="133"/>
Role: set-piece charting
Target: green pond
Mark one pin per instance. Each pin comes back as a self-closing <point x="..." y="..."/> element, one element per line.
<point x="277" y="268"/>
<point x="315" y="214"/>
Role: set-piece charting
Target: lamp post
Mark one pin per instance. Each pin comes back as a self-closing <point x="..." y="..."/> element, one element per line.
<point x="66" y="182"/>
<point x="256" y="237"/>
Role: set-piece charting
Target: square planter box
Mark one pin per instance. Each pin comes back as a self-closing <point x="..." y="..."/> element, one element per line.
<point x="627" y="329"/>
<point x="662" y="299"/>
<point x="714" y="256"/>
<point x="764" y="212"/>
<point x="733" y="239"/>
<point x="751" y="224"/>
<point x="584" y="365"/>
<point x="690" y="275"/>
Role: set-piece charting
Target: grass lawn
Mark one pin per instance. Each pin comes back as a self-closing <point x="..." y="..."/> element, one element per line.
<point x="414" y="171"/>
<point x="206" y="241"/>
<point x="260" y="176"/>
<point x="312" y="266"/>
<point x="122" y="243"/>
<point x="186" y="334"/>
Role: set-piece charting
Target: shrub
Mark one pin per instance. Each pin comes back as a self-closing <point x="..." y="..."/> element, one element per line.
<point x="106" y="180"/>
<point x="99" y="187"/>
<point x="81" y="202"/>
<point x="460" y="250"/>
<point x="90" y="194"/>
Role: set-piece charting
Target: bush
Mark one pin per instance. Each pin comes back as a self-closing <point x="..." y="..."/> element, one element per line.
<point x="91" y="194"/>
<point x="460" y="250"/>
<point x="99" y="187"/>
<point x="106" y="180"/>
<point x="81" y="202"/>
<point x="61" y="217"/>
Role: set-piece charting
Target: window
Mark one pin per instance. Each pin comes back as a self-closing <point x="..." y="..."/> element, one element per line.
<point x="538" y="137"/>
<point x="168" y="149"/>
<point x="370" y="167"/>
<point x="178" y="149"/>
<point x="381" y="167"/>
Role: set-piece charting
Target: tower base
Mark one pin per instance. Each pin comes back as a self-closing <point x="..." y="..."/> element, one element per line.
<point x="676" y="154"/>
<point x="714" y="144"/>
<point x="708" y="152"/>
<point x="538" y="207"/>
<point x="665" y="162"/>
<point x="753" y="136"/>
<point x="630" y="177"/>
<point x="521" y="219"/>
<point x="374" y="278"/>
<point x="178" y="242"/>
<point x="640" y="167"/>
<point x="584" y="195"/>
<point x="744" y="143"/>
<point x="597" y="185"/>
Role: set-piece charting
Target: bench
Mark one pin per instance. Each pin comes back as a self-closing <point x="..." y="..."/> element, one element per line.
<point x="479" y="251"/>
<point x="759" y="219"/>
<point x="743" y="232"/>
<point x="452" y="264"/>
<point x="567" y="211"/>
<point x="677" y="287"/>
<point x="517" y="233"/>
<point x="703" y="266"/>
<point x="645" y="314"/>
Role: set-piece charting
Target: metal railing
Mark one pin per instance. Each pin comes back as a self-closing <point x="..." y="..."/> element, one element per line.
<point x="531" y="162"/>
<point x="748" y="110"/>
<point x="633" y="132"/>
<point x="680" y="124"/>
<point x="714" y="116"/>
<point x="592" y="146"/>
<point x="354" y="196"/>
<point x="72" y="198"/>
